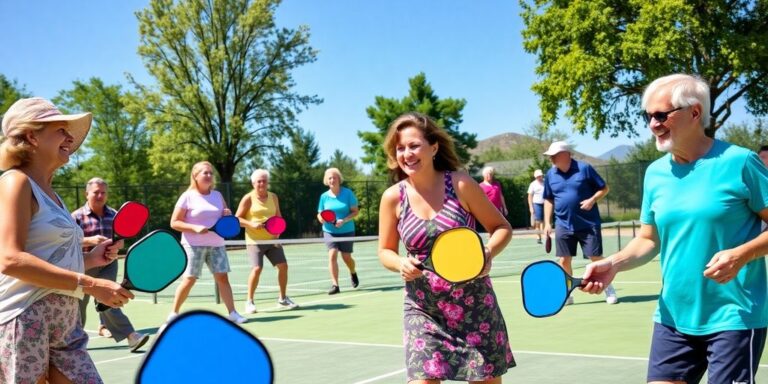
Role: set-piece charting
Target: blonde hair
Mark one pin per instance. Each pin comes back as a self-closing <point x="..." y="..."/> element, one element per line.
<point x="332" y="170"/>
<point x="15" y="150"/>
<point x="445" y="159"/>
<point x="196" y="169"/>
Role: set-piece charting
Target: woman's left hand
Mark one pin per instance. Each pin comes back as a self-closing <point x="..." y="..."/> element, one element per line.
<point x="339" y="223"/>
<point x="104" y="253"/>
<point x="227" y="212"/>
<point x="724" y="265"/>
<point x="488" y="263"/>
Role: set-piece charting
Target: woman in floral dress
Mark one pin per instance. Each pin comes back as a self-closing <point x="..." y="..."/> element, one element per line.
<point x="451" y="331"/>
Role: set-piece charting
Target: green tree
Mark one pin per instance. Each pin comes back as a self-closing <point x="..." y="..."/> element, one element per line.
<point x="224" y="75"/>
<point x="10" y="91"/>
<point x="116" y="147"/>
<point x="345" y="164"/>
<point x="447" y="113"/>
<point x="296" y="174"/>
<point x="746" y="135"/>
<point x="596" y="56"/>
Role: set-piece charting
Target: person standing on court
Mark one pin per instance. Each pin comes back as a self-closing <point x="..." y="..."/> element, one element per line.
<point x="451" y="331"/>
<point x="41" y="259"/>
<point x="343" y="203"/>
<point x="536" y="202"/>
<point x="95" y="218"/>
<point x="492" y="189"/>
<point x="197" y="210"/>
<point x="703" y="203"/>
<point x="572" y="189"/>
<point x="255" y="208"/>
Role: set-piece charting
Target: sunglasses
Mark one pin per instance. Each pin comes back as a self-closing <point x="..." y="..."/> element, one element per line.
<point x="659" y="116"/>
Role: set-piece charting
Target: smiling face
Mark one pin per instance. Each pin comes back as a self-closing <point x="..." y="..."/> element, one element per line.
<point x="204" y="178"/>
<point x="96" y="195"/>
<point x="261" y="184"/>
<point x="54" y="143"/>
<point x="413" y="151"/>
<point x="679" y="127"/>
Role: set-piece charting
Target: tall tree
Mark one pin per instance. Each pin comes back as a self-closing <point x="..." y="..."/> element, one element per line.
<point x="224" y="73"/>
<point x="345" y="164"/>
<point x="596" y="56"/>
<point x="447" y="113"/>
<point x="10" y="91"/>
<point x="116" y="147"/>
<point x="750" y="136"/>
<point x="297" y="175"/>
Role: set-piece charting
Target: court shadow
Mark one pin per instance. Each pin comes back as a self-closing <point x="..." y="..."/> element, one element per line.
<point x="638" y="298"/>
<point x="119" y="347"/>
<point x="271" y="319"/>
<point x="326" y="307"/>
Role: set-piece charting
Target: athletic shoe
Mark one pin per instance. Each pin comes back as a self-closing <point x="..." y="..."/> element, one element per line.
<point x="250" y="307"/>
<point x="170" y="318"/>
<point x="538" y="241"/>
<point x="355" y="280"/>
<point x="236" y="318"/>
<point x="137" y="340"/>
<point x="610" y="295"/>
<point x="286" y="302"/>
<point x="334" y="290"/>
<point x="569" y="301"/>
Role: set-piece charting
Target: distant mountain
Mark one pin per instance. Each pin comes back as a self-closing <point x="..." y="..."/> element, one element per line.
<point x="619" y="153"/>
<point x="507" y="140"/>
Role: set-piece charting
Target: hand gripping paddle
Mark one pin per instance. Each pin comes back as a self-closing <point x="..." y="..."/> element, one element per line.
<point x="152" y="263"/>
<point x="457" y="255"/>
<point x="546" y="287"/>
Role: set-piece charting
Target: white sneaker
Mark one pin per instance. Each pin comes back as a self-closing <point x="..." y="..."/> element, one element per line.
<point x="286" y="302"/>
<point x="137" y="340"/>
<point x="170" y="318"/>
<point x="250" y="307"/>
<point x="569" y="300"/>
<point x="236" y="318"/>
<point x="610" y="295"/>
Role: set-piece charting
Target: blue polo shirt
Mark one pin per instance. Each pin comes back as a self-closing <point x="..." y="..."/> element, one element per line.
<point x="699" y="209"/>
<point x="568" y="189"/>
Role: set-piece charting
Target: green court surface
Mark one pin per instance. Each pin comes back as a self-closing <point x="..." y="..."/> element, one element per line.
<point x="356" y="336"/>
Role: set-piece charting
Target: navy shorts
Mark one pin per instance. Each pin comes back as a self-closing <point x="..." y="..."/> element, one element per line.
<point x="728" y="356"/>
<point x="331" y="241"/>
<point x="591" y="241"/>
<point x="538" y="212"/>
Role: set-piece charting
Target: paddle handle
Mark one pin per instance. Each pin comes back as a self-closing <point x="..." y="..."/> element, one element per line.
<point x="101" y="307"/>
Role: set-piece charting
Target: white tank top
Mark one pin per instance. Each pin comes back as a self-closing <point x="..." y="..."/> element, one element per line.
<point x="54" y="237"/>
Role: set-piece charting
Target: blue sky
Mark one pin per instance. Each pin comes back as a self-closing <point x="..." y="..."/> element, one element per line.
<point x="468" y="49"/>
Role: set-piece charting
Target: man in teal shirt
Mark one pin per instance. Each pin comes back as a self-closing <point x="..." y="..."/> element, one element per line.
<point x="703" y="204"/>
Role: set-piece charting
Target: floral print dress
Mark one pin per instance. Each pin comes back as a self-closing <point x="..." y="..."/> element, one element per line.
<point x="451" y="331"/>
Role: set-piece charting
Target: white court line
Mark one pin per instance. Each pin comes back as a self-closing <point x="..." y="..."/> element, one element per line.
<point x="132" y="356"/>
<point x="384" y="376"/>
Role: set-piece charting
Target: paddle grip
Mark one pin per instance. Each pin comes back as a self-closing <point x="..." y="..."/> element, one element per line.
<point x="578" y="282"/>
<point x="100" y="307"/>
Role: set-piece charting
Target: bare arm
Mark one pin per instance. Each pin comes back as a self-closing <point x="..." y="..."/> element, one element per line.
<point x="589" y="203"/>
<point x="242" y="211"/>
<point x="389" y="238"/>
<point x="16" y="209"/>
<point x="548" y="207"/>
<point x="725" y="264"/>
<point x="178" y="223"/>
<point x="640" y="250"/>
